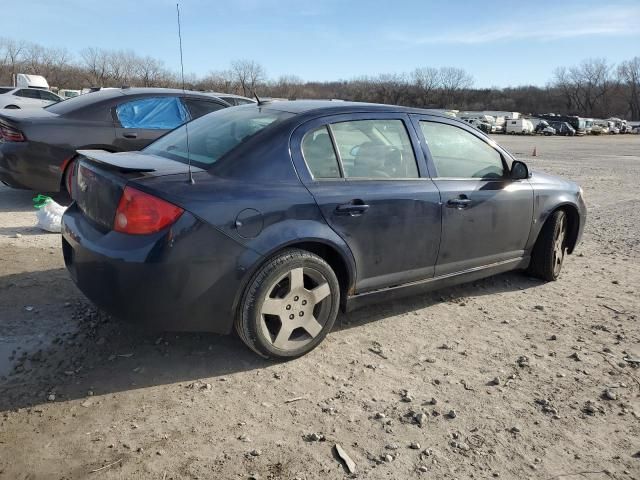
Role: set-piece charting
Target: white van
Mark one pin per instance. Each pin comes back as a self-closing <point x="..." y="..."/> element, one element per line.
<point x="521" y="126"/>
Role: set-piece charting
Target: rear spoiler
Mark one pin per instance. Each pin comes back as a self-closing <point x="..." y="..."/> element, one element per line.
<point x="109" y="160"/>
<point x="126" y="162"/>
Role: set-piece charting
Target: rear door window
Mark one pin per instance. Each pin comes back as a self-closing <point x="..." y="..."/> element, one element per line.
<point x="375" y="149"/>
<point x="198" y="108"/>
<point x="153" y="113"/>
<point x="28" y="93"/>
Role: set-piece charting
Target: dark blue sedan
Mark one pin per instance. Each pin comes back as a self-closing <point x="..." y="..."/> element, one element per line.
<point x="271" y="217"/>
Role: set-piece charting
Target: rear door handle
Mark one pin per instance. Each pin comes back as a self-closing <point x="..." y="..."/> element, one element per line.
<point x="355" y="207"/>
<point x="458" y="203"/>
<point x="130" y="135"/>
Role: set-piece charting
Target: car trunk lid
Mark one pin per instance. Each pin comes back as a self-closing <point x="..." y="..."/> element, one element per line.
<point x="100" y="179"/>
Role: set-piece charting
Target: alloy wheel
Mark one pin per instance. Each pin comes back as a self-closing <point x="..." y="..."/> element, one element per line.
<point x="296" y="308"/>
<point x="558" y="245"/>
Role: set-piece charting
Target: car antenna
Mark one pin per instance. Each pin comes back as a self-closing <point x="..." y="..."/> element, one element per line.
<point x="186" y="125"/>
<point x="260" y="102"/>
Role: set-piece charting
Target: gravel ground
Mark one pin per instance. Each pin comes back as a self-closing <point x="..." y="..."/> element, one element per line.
<point x="506" y="377"/>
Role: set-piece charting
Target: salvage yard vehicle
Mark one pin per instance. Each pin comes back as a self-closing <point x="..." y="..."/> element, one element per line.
<point x="27" y="97"/>
<point x="269" y="218"/>
<point x="563" y="128"/>
<point x="520" y="126"/>
<point x="479" y="124"/>
<point x="37" y="146"/>
<point x="542" y="127"/>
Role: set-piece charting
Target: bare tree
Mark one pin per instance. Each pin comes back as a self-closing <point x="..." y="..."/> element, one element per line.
<point x="11" y="54"/>
<point x="426" y="81"/>
<point x="453" y="83"/>
<point x="222" y="81"/>
<point x="287" y="86"/>
<point x="586" y="86"/>
<point x="95" y="63"/>
<point x="248" y="74"/>
<point x="629" y="75"/>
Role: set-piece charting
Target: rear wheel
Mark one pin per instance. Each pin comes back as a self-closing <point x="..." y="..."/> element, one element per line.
<point x="289" y="306"/>
<point x="550" y="249"/>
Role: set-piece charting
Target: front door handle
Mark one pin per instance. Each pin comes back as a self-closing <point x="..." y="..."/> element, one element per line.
<point x="353" y="208"/>
<point x="130" y="135"/>
<point x="459" y="203"/>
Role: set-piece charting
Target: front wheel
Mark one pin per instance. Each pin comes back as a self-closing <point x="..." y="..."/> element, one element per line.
<point x="550" y="248"/>
<point x="289" y="306"/>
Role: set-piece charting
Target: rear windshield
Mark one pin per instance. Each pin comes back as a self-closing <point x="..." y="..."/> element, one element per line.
<point x="212" y="136"/>
<point x="5" y="90"/>
<point x="76" y="103"/>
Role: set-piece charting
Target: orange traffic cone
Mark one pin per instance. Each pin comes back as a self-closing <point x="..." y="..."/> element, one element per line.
<point x="535" y="152"/>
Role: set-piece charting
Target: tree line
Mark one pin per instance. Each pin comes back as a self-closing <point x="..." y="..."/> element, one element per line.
<point x="592" y="88"/>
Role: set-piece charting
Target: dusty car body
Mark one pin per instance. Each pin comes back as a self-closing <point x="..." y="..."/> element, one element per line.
<point x="278" y="214"/>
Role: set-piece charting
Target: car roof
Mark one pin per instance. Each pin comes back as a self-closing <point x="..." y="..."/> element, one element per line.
<point x="340" y="106"/>
<point x="114" y="92"/>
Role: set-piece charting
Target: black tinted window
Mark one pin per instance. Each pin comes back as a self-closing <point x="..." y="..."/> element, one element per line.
<point x="5" y="90"/>
<point x="198" y="108"/>
<point x="50" y="97"/>
<point x="82" y="101"/>
<point x="28" y="93"/>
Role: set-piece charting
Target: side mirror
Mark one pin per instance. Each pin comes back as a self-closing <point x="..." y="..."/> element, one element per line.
<point x="519" y="170"/>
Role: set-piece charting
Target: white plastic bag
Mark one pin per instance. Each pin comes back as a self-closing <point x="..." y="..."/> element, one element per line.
<point x="49" y="216"/>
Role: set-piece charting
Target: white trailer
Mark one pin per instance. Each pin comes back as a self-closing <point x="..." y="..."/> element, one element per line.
<point x="22" y="80"/>
<point x="520" y="126"/>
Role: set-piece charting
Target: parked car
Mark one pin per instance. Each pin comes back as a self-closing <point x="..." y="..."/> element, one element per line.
<point x="67" y="93"/>
<point x="563" y="128"/>
<point x="479" y="124"/>
<point x="600" y="129"/>
<point x="520" y="126"/>
<point x="270" y="217"/>
<point x="18" y="98"/>
<point x="543" y="128"/>
<point x="37" y="146"/>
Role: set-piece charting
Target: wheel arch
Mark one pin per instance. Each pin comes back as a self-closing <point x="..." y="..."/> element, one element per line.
<point x="573" y="220"/>
<point x="67" y="162"/>
<point x="338" y="257"/>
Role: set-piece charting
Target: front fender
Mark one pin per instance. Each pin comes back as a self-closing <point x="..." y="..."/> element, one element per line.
<point x="549" y="198"/>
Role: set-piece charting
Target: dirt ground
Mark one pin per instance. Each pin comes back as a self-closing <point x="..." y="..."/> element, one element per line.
<point x="507" y="377"/>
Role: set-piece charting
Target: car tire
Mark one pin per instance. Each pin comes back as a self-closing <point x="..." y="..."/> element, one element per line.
<point x="549" y="251"/>
<point x="295" y="290"/>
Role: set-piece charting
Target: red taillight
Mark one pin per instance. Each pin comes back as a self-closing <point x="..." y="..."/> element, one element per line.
<point x="10" y="134"/>
<point x="68" y="170"/>
<point x="139" y="213"/>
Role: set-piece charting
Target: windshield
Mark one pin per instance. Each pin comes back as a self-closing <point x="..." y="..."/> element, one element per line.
<point x="212" y="136"/>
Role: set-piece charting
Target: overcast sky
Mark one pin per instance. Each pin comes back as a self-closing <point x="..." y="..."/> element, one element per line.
<point x="500" y="43"/>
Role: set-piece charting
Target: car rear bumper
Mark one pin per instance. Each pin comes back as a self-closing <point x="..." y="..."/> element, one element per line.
<point x="184" y="278"/>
